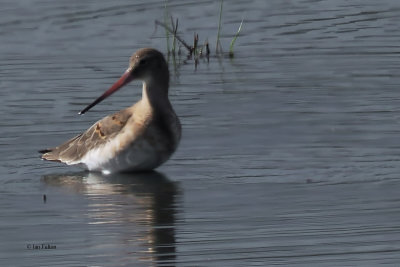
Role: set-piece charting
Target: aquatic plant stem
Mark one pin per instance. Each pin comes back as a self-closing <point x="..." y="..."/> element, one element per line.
<point x="166" y="15"/>
<point x="234" y="39"/>
<point x="218" y="44"/>
<point x="188" y="47"/>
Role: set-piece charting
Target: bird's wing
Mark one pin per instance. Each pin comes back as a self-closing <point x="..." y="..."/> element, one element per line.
<point x="97" y="135"/>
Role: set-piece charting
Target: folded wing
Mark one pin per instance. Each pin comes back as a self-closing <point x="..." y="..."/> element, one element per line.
<point x="72" y="151"/>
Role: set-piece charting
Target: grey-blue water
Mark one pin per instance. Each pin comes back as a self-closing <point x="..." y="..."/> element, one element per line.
<point x="290" y="152"/>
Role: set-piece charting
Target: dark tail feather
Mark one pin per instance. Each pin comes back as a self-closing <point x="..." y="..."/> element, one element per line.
<point x="48" y="154"/>
<point x="45" y="151"/>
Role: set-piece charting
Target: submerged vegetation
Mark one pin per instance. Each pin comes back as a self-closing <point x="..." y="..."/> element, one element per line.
<point x="195" y="50"/>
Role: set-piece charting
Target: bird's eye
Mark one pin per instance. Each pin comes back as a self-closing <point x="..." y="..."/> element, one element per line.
<point x="142" y="62"/>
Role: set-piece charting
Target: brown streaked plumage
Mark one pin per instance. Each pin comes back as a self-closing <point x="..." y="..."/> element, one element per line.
<point x="140" y="137"/>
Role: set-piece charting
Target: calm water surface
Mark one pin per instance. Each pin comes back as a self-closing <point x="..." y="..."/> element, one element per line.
<point x="290" y="153"/>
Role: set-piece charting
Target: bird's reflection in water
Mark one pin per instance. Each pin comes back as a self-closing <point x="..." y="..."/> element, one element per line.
<point x="151" y="199"/>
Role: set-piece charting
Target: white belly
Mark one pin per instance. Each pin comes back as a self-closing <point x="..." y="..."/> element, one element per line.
<point x="140" y="156"/>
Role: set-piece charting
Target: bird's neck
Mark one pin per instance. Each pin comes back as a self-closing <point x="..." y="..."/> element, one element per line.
<point x="155" y="94"/>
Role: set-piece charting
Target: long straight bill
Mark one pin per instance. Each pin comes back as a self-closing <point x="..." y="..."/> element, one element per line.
<point x="125" y="78"/>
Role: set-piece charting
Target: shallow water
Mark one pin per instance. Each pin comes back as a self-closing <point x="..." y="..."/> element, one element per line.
<point x="289" y="156"/>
